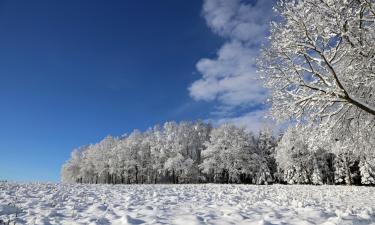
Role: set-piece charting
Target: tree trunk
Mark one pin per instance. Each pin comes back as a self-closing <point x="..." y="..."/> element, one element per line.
<point x="348" y="173"/>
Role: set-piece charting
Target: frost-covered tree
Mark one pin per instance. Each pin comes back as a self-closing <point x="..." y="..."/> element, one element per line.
<point x="319" y="64"/>
<point x="303" y="161"/>
<point x="227" y="157"/>
<point x="346" y="162"/>
<point x="103" y="163"/>
<point x="265" y="150"/>
<point x="367" y="160"/>
<point x="367" y="163"/>
<point x="367" y="170"/>
<point x="71" y="170"/>
<point x="172" y="149"/>
<point x="294" y="158"/>
<point x="183" y="144"/>
<point x="157" y="155"/>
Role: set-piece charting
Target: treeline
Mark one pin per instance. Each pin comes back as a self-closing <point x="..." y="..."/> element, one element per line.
<point x="186" y="152"/>
<point x="196" y="152"/>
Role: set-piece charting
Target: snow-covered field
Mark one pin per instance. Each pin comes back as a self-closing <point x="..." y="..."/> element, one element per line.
<point x="186" y="204"/>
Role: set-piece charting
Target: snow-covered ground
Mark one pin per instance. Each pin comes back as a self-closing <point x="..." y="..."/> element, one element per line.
<point x="186" y="204"/>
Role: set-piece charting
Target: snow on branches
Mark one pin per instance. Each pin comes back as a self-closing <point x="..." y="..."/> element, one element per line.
<point x="320" y="63"/>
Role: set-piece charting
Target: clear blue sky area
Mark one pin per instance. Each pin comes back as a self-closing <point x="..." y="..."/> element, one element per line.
<point x="72" y="72"/>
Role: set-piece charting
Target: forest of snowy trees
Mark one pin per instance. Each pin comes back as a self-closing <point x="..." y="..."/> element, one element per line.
<point x="196" y="152"/>
<point x="186" y="152"/>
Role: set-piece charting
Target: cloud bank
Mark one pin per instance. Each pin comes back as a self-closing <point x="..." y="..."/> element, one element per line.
<point x="230" y="78"/>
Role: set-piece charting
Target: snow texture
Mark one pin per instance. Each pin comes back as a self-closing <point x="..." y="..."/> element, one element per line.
<point x="186" y="204"/>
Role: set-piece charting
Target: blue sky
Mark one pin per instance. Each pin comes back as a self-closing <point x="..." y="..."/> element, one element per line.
<point x="72" y="72"/>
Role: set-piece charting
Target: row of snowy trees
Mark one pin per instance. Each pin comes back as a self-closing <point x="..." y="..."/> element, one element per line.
<point x="186" y="152"/>
<point x="195" y="152"/>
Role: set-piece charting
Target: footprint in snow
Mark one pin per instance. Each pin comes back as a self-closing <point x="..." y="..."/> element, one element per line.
<point x="129" y="220"/>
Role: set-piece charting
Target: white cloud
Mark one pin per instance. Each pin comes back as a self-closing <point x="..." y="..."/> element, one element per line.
<point x="230" y="78"/>
<point x="238" y="19"/>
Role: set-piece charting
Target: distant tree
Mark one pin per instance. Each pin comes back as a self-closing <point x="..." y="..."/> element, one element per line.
<point x="302" y="160"/>
<point x="71" y="170"/>
<point x="227" y="155"/>
<point x="157" y="153"/>
<point x="367" y="170"/>
<point x="367" y="161"/>
<point x="265" y="150"/>
<point x="294" y="159"/>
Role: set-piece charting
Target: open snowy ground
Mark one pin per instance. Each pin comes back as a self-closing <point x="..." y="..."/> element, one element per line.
<point x="186" y="204"/>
